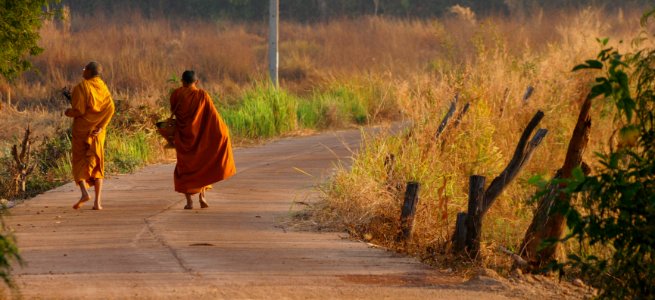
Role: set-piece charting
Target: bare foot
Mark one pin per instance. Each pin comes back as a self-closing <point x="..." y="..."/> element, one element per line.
<point x="203" y="202"/>
<point x="97" y="207"/>
<point x="83" y="199"/>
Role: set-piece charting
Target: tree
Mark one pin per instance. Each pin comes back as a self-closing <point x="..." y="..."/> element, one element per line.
<point x="20" y="22"/>
<point x="548" y="225"/>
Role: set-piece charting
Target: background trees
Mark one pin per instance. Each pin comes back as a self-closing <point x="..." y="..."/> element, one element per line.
<point x="320" y="10"/>
<point x="19" y="34"/>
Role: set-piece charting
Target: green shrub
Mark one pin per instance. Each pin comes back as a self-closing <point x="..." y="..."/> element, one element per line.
<point x="617" y="208"/>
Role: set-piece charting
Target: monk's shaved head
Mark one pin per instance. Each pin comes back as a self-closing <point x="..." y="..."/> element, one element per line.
<point x="94" y="69"/>
<point x="189" y="77"/>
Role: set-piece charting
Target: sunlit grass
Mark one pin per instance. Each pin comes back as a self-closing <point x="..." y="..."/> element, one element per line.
<point x="125" y="152"/>
<point x="262" y="112"/>
<point x="366" y="198"/>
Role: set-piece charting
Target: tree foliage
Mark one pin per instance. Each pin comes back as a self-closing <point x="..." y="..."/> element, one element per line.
<point x="617" y="209"/>
<point x="8" y="254"/>
<point x="320" y="10"/>
<point x="20" y="21"/>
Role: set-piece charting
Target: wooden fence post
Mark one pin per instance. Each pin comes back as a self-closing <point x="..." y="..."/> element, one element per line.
<point x="474" y="215"/>
<point x="446" y="118"/>
<point x="461" y="114"/>
<point x="504" y="103"/>
<point x="408" y="210"/>
<point x="459" y="238"/>
<point x="528" y="93"/>
<point x="480" y="200"/>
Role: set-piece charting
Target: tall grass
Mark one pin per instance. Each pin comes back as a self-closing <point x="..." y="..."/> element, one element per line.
<point x="262" y="112"/>
<point x="367" y="197"/>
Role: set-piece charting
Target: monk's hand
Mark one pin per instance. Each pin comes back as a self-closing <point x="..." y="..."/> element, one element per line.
<point x="95" y="132"/>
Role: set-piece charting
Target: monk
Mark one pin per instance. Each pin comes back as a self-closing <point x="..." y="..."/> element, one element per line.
<point x="91" y="109"/>
<point x="202" y="142"/>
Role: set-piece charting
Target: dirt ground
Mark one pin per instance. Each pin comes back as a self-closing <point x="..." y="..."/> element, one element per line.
<point x="143" y="245"/>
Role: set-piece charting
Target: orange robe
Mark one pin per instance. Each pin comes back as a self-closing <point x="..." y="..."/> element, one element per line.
<point x="202" y="142"/>
<point x="91" y="107"/>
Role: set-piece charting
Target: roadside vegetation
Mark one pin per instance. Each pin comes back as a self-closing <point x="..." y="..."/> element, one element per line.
<point x="610" y="207"/>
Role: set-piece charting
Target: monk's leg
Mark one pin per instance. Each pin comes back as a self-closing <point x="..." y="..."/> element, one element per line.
<point x="203" y="200"/>
<point x="189" y="202"/>
<point x="97" y="204"/>
<point x="85" y="195"/>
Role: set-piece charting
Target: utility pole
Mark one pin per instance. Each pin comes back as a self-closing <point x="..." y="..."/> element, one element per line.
<point x="273" y="54"/>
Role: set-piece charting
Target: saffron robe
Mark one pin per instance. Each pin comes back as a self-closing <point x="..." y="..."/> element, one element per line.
<point x="202" y="142"/>
<point x="91" y="107"/>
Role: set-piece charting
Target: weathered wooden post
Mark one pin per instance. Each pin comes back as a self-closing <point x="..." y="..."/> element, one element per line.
<point x="504" y="103"/>
<point x="459" y="238"/>
<point x="461" y="114"/>
<point x="273" y="54"/>
<point x="446" y="118"/>
<point x="408" y="210"/>
<point x="546" y="224"/>
<point x="469" y="225"/>
<point x="528" y="93"/>
<point x="474" y="215"/>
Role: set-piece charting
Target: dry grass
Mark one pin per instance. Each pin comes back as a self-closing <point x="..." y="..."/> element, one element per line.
<point x="367" y="198"/>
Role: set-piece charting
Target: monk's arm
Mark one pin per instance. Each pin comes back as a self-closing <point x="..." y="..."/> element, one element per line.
<point x="110" y="113"/>
<point x="78" y="104"/>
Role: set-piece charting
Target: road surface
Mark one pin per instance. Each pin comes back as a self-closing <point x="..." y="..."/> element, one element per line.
<point x="143" y="245"/>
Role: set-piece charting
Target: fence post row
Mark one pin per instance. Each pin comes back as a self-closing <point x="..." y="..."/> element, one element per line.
<point x="468" y="227"/>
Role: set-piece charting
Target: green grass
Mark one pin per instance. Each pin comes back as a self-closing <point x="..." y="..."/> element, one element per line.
<point x="124" y="153"/>
<point x="261" y="113"/>
<point x="337" y="107"/>
<point x="265" y="112"/>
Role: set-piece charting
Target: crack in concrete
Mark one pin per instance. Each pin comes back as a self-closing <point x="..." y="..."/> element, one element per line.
<point x="148" y="227"/>
<point x="172" y="250"/>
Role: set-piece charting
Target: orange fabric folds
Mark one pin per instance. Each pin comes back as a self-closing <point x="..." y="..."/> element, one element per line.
<point x="91" y="107"/>
<point x="202" y="142"/>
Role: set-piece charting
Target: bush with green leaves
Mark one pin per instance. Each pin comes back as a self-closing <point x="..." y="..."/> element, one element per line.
<point x="19" y="34"/>
<point x="9" y="252"/>
<point x="616" y="211"/>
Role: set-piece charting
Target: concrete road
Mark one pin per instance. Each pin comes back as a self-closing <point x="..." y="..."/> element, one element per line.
<point x="143" y="245"/>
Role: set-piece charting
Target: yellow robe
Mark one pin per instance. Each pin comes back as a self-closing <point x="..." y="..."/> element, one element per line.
<point x="91" y="107"/>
